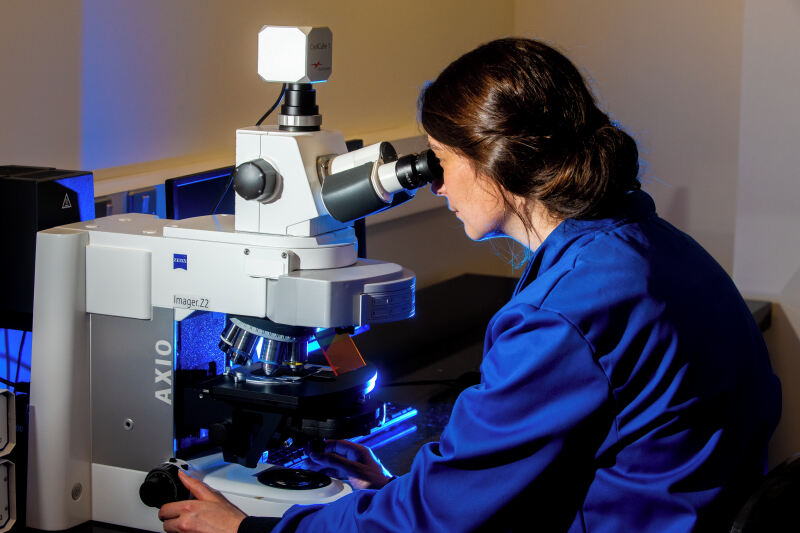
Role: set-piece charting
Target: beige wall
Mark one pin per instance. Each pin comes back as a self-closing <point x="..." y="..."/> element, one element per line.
<point x="142" y="88"/>
<point x="106" y="83"/>
<point x="709" y="90"/>
<point x="126" y="85"/>
<point x="434" y="246"/>
<point x="40" y="73"/>
<point x="767" y="258"/>
<point x="669" y="73"/>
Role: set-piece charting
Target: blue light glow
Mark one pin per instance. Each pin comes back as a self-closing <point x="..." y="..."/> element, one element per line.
<point x="84" y="187"/>
<point x="314" y="345"/>
<point x="392" y="437"/>
<point x="15" y="350"/>
<point x="411" y="413"/>
<point x="371" y="383"/>
<point x="197" y="339"/>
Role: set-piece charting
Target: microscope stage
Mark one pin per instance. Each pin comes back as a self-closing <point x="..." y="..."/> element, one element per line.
<point x="319" y="390"/>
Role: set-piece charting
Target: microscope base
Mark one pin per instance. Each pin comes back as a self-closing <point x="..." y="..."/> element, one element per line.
<point x="115" y="492"/>
<point x="241" y="486"/>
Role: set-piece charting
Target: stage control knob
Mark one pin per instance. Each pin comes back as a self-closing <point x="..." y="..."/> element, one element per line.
<point x="256" y="180"/>
<point x="162" y="485"/>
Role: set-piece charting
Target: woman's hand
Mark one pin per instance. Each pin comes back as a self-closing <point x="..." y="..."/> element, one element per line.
<point x="355" y="461"/>
<point x="209" y="513"/>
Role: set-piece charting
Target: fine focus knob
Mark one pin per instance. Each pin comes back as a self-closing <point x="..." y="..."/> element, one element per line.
<point x="162" y="485"/>
<point x="255" y="180"/>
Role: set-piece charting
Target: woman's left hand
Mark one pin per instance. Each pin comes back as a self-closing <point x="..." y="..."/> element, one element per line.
<point x="209" y="513"/>
<point x="357" y="462"/>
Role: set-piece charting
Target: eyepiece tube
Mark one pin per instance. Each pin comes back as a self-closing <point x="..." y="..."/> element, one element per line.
<point x="414" y="171"/>
<point x="410" y="172"/>
<point x="360" y="191"/>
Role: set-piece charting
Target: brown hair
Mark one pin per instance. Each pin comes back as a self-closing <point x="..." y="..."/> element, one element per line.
<point x="521" y="113"/>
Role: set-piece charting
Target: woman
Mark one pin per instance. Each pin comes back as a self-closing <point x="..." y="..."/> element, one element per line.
<point x="625" y="386"/>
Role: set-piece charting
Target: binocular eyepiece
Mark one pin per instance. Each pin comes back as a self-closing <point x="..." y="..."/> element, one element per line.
<point x="415" y="170"/>
<point x="354" y="185"/>
<point x="380" y="183"/>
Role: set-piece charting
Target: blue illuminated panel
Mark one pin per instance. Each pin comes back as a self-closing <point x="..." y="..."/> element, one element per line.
<point x="149" y="201"/>
<point x="197" y="343"/>
<point x="197" y="194"/>
<point x="84" y="188"/>
<point x="39" y="198"/>
<point x="16" y="356"/>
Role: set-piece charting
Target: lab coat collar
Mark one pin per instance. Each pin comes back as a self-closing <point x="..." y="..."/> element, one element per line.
<point x="637" y="206"/>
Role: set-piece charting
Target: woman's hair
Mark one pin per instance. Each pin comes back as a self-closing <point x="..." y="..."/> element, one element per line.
<point x="522" y="114"/>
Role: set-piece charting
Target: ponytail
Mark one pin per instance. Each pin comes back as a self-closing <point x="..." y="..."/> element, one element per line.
<point x="521" y="113"/>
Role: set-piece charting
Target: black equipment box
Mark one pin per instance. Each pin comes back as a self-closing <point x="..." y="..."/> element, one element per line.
<point x="33" y="199"/>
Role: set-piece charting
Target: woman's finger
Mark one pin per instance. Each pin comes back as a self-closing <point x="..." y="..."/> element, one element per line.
<point x="170" y="510"/>
<point x="347" y="449"/>
<point x="338" y="462"/>
<point x="199" y="490"/>
<point x="170" y="526"/>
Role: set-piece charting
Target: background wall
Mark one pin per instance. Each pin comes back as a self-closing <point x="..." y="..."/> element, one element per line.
<point x="767" y="250"/>
<point x="669" y="73"/>
<point x="153" y="89"/>
<point x="40" y="83"/>
<point x="708" y="89"/>
<point x="136" y="82"/>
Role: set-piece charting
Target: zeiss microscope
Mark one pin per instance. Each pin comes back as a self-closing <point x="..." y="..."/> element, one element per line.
<point x="161" y="344"/>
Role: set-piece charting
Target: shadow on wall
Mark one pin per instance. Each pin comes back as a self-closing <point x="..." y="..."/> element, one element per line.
<point x="434" y="246"/>
<point x="672" y="202"/>
<point x="783" y="342"/>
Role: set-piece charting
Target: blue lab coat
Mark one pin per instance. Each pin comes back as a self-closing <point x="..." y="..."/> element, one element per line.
<point x="625" y="387"/>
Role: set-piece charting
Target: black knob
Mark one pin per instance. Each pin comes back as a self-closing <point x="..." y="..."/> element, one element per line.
<point x="162" y="485"/>
<point x="255" y="180"/>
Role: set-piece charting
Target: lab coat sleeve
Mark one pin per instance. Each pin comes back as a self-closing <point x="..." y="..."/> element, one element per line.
<point x="523" y="443"/>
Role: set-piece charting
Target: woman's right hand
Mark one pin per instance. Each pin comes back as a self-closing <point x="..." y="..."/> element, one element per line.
<point x="356" y="462"/>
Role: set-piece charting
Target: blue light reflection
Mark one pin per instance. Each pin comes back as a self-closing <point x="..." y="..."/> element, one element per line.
<point x="371" y="383"/>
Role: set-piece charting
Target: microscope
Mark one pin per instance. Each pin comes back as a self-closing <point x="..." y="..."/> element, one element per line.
<point x="161" y="345"/>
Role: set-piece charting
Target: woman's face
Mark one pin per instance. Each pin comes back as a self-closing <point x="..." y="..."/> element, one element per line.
<point x="474" y="198"/>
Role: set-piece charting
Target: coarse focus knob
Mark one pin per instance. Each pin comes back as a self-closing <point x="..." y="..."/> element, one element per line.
<point x="255" y="180"/>
<point x="162" y="485"/>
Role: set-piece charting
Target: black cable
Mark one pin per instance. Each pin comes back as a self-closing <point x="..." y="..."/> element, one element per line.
<point x="228" y="186"/>
<point x="271" y="109"/>
<point x="263" y="117"/>
<point x="8" y="383"/>
<point x="471" y="377"/>
<point x="447" y="382"/>
<point x="7" y="352"/>
<point x="19" y="356"/>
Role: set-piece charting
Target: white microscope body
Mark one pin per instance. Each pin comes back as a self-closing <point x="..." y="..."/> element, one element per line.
<point x="111" y="293"/>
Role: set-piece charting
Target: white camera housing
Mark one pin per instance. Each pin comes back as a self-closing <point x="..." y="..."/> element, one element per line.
<point x="295" y="54"/>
